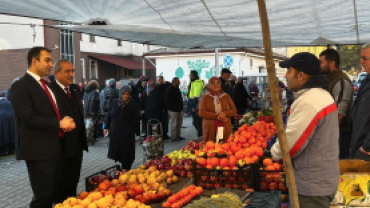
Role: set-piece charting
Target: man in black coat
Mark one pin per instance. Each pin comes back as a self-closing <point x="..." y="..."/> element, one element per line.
<point x="163" y="86"/>
<point x="174" y="105"/>
<point x="152" y="104"/>
<point x="39" y="126"/>
<point x="360" y="121"/>
<point x="225" y="76"/>
<point x="74" y="142"/>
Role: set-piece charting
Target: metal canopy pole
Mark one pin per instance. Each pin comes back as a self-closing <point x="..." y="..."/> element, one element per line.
<point x="216" y="63"/>
<point x="144" y="70"/>
<point x="276" y="104"/>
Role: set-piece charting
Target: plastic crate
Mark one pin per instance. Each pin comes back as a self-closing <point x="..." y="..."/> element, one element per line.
<point x="213" y="178"/>
<point x="270" y="180"/>
<point x="91" y="183"/>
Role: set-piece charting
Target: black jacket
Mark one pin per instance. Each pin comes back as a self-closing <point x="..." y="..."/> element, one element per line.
<point x="75" y="139"/>
<point x="91" y="102"/>
<point x="360" y="136"/>
<point x="7" y="124"/>
<point x="225" y="87"/>
<point x="37" y="124"/>
<point x="174" y="99"/>
<point x="152" y="104"/>
<point x="241" y="96"/>
<point x="124" y="123"/>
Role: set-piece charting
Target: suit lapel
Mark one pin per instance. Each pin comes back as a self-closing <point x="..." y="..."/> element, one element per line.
<point x="40" y="90"/>
<point x="76" y="93"/>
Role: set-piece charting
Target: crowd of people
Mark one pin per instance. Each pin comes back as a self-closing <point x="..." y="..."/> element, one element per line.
<point x="47" y="120"/>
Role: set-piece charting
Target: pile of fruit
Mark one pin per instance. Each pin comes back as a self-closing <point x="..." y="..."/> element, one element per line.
<point x="181" y="168"/>
<point x="226" y="199"/>
<point x="267" y="119"/>
<point x="183" y="197"/>
<point x="98" y="200"/>
<point x="272" y="178"/>
<point x="245" y="147"/>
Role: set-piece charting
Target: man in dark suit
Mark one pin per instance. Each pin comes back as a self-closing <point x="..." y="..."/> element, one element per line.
<point x="74" y="142"/>
<point x="39" y="127"/>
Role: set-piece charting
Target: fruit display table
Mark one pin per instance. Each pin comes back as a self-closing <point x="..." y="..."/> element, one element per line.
<point x="183" y="182"/>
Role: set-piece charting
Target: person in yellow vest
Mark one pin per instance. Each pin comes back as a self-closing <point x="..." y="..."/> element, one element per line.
<point x="195" y="89"/>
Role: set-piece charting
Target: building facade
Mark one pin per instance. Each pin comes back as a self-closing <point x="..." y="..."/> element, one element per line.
<point x="93" y="57"/>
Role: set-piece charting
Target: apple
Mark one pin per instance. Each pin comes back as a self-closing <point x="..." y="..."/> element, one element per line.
<point x="189" y="174"/>
<point x="161" y="166"/>
<point x="180" y="167"/>
<point x="120" y="188"/>
<point x="183" y="174"/>
<point x="196" y="146"/>
<point x="181" y="162"/>
<point x="177" y="172"/>
<point x="187" y="167"/>
<point x="96" y="179"/>
<point x="192" y="150"/>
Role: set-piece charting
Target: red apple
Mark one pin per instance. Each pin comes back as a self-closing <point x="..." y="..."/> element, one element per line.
<point x="187" y="167"/>
<point x="189" y="174"/>
<point x="180" y="167"/>
<point x="120" y="188"/>
<point x="183" y="174"/>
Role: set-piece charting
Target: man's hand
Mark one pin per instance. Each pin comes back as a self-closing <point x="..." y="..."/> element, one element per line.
<point x="67" y="124"/>
<point x="142" y="112"/>
<point x="106" y="131"/>
<point x="340" y="118"/>
<point x="363" y="151"/>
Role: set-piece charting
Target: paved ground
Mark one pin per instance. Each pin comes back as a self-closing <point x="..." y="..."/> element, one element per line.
<point x="15" y="189"/>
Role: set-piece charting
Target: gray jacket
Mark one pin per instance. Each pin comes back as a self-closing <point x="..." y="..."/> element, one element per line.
<point x="312" y="134"/>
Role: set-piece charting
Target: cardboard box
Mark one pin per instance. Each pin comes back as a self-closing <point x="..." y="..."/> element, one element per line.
<point x="353" y="166"/>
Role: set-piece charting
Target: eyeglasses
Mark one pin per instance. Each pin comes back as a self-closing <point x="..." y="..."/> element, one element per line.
<point x="365" y="58"/>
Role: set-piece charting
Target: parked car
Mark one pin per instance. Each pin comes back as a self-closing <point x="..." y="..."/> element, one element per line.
<point x="361" y="76"/>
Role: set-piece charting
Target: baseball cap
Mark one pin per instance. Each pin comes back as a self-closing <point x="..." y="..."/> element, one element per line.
<point x="305" y="62"/>
<point x="226" y="70"/>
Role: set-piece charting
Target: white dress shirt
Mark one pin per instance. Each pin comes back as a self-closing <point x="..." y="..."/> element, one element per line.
<point x="37" y="78"/>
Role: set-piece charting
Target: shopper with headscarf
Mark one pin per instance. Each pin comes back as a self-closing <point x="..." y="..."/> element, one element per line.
<point x="152" y="104"/>
<point x="253" y="89"/>
<point x="91" y="99"/>
<point x="216" y="108"/>
<point x="123" y="122"/>
<point x="7" y="126"/>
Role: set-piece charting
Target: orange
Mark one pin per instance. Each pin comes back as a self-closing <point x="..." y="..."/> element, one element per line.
<point x="270" y="168"/>
<point x="246" y="145"/>
<point x="224" y="162"/>
<point x="202" y="161"/>
<point x="103" y="187"/>
<point x="243" y="140"/>
<point x="264" y="145"/>
<point x="225" y="146"/>
<point x="166" y="205"/>
<point x="208" y="161"/>
<point x="175" y="205"/>
<point x="253" y="134"/>
<point x="255" y="158"/>
<point x="277" y="166"/>
<point x="234" y="149"/>
<point x="248" y="160"/>
<point x="214" y="162"/>
<point x="258" y="151"/>
<point x="248" y="153"/>
<point x="252" y="140"/>
<point x="267" y="162"/>
<point x="210" y="145"/>
<point x="239" y="155"/>
<point x="209" y="167"/>
<point x="232" y="161"/>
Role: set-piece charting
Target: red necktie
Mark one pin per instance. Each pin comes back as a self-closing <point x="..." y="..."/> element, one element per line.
<point x="68" y="94"/>
<point x="61" y="133"/>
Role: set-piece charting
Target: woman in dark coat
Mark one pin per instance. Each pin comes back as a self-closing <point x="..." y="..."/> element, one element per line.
<point x="7" y="126"/>
<point x="241" y="97"/>
<point x="123" y="123"/>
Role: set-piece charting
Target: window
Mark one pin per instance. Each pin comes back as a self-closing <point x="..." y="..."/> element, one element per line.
<point x="93" y="69"/>
<point x="83" y="68"/>
<point x="66" y="44"/>
<point x="119" y="43"/>
<point x="124" y="73"/>
<point x="92" y="38"/>
<point x="251" y="63"/>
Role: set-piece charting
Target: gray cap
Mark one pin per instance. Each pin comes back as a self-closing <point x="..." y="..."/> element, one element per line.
<point x="124" y="88"/>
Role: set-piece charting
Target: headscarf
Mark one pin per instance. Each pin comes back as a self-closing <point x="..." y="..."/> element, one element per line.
<point x="123" y="89"/>
<point x="216" y="95"/>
